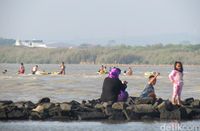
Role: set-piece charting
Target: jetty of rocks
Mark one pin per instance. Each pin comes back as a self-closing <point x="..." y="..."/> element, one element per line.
<point x="134" y="108"/>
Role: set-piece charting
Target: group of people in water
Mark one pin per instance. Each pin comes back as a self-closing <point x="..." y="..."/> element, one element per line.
<point x="114" y="89"/>
<point x="103" y="70"/>
<point x="35" y="69"/>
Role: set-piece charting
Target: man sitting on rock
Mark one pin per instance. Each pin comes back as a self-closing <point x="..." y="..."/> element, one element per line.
<point x="148" y="91"/>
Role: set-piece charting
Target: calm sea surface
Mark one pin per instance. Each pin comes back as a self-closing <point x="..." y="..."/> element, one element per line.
<point x="82" y="82"/>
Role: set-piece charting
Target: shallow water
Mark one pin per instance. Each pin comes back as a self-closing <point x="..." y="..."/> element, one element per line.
<point x="82" y="82"/>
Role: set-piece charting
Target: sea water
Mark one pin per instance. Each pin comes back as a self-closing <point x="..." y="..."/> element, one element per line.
<point x="82" y="82"/>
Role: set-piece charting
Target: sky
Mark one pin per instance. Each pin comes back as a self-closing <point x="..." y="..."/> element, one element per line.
<point x="125" y="21"/>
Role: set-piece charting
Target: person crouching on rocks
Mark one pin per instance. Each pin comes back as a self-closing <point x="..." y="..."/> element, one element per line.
<point x="149" y="91"/>
<point x="113" y="86"/>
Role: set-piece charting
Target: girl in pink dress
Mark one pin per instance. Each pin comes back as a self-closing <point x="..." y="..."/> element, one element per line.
<point x="176" y="77"/>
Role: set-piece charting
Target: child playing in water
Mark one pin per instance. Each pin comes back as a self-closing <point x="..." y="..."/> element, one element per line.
<point x="176" y="77"/>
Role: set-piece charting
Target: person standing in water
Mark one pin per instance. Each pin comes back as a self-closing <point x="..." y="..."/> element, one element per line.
<point x="21" y="69"/>
<point x="176" y="77"/>
<point x="34" y="69"/>
<point x="62" y="66"/>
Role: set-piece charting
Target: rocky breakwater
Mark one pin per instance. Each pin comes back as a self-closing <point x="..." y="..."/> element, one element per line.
<point x="134" y="109"/>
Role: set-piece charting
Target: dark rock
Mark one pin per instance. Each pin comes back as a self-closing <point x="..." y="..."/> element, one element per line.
<point x="2" y="114"/>
<point x="169" y="106"/>
<point x="44" y="100"/>
<point x="35" y="116"/>
<point x="133" y="115"/>
<point x="94" y="102"/>
<point x="55" y="111"/>
<point x="188" y="101"/>
<point x="184" y="113"/>
<point x="170" y="115"/>
<point x="2" y="103"/>
<point x="17" y="114"/>
<point x="95" y="115"/>
<point x="117" y="115"/>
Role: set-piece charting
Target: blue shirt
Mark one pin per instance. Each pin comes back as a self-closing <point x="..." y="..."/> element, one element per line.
<point x="147" y="90"/>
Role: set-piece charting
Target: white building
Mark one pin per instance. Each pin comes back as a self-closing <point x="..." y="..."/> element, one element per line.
<point x="31" y="43"/>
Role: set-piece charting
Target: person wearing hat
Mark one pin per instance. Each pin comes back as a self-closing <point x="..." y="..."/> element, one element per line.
<point x="112" y="86"/>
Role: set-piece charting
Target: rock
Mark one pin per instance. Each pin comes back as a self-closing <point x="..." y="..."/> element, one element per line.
<point x="170" y="115"/>
<point x="119" y="106"/>
<point x="99" y="106"/>
<point x="2" y="103"/>
<point x="94" y="102"/>
<point x="39" y="108"/>
<point x="95" y="115"/>
<point x="133" y="115"/>
<point x="44" y="106"/>
<point x="65" y="107"/>
<point x="117" y="115"/>
<point x="2" y="114"/>
<point x="29" y="105"/>
<point x="148" y="100"/>
<point x="184" y="113"/>
<point x="44" y="100"/>
<point x="55" y="111"/>
<point x="144" y="108"/>
<point x="196" y="103"/>
<point x="17" y="114"/>
<point x="35" y="116"/>
<point x="188" y="101"/>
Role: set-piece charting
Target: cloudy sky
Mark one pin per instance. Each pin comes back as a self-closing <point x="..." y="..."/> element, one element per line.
<point x="71" y="20"/>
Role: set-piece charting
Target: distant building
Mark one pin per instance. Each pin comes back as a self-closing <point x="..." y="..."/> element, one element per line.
<point x="31" y="43"/>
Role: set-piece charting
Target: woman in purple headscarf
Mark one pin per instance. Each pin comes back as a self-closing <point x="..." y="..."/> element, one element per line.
<point x="113" y="86"/>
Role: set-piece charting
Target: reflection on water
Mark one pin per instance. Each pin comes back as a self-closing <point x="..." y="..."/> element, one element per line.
<point x="82" y="82"/>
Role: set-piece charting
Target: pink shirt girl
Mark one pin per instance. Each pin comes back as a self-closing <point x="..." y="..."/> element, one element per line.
<point x="176" y="78"/>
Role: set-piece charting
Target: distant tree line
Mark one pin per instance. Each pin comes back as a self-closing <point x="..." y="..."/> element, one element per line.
<point x="4" y="41"/>
<point x="121" y="54"/>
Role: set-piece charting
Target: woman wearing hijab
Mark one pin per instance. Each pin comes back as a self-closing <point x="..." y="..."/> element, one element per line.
<point x="112" y="86"/>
